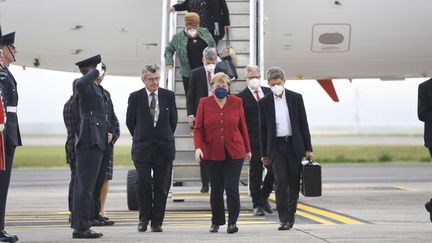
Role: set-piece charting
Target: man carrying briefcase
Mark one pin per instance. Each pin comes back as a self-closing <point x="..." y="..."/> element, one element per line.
<point x="284" y="141"/>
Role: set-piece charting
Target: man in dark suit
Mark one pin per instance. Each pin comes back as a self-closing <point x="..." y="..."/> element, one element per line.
<point x="152" y="119"/>
<point x="251" y="95"/>
<point x="199" y="87"/>
<point x="11" y="132"/>
<point x="91" y="144"/>
<point x="285" y="140"/>
<point x="71" y="120"/>
<point x="424" y="112"/>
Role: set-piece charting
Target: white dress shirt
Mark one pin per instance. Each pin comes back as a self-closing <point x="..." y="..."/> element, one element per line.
<point x="149" y="97"/>
<point x="210" y="92"/>
<point x="283" y="122"/>
<point x="260" y="92"/>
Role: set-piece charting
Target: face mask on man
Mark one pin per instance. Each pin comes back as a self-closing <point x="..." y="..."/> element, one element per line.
<point x="277" y="89"/>
<point x="192" y="32"/>
<point x="210" y="67"/>
<point x="220" y="93"/>
<point x="254" y="84"/>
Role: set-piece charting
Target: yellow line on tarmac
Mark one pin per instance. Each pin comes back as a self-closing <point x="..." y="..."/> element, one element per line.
<point x="405" y="188"/>
<point x="334" y="216"/>
<point x="314" y="218"/>
<point x="325" y="213"/>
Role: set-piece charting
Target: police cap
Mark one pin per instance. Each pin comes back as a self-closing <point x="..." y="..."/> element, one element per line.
<point x="7" y="39"/>
<point x="92" y="61"/>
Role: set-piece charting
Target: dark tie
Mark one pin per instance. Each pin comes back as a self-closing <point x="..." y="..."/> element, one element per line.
<point x="257" y="95"/>
<point x="209" y="78"/>
<point x="152" y="105"/>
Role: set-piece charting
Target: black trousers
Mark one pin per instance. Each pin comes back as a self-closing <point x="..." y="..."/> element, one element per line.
<point x="152" y="192"/>
<point x="88" y="164"/>
<point x="259" y="190"/>
<point x="72" y="167"/>
<point x="204" y="176"/>
<point x="185" y="84"/>
<point x="224" y="175"/>
<point x="5" y="180"/>
<point x="286" y="168"/>
<point x="100" y="181"/>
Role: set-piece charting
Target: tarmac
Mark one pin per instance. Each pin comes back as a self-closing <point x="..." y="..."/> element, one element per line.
<point x="360" y="203"/>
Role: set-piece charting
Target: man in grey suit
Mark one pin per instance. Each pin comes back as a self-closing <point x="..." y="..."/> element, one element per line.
<point x="284" y="141"/>
<point x="152" y="119"/>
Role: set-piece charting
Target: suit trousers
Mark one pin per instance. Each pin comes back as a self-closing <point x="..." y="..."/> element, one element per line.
<point x="224" y="175"/>
<point x="204" y="176"/>
<point x="152" y="192"/>
<point x="88" y="163"/>
<point x="186" y="84"/>
<point x="259" y="190"/>
<point x="286" y="168"/>
<point x="100" y="181"/>
<point x="5" y="180"/>
<point x="72" y="167"/>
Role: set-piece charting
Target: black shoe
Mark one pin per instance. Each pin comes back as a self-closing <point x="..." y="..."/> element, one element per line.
<point x="232" y="228"/>
<point x="428" y="207"/>
<point x="105" y="221"/>
<point x="156" y="228"/>
<point x="96" y="222"/>
<point x="258" y="211"/>
<point x="291" y="222"/>
<point x="284" y="226"/>
<point x="214" y="228"/>
<point x="267" y="207"/>
<point x="86" y="234"/>
<point x="142" y="226"/>
<point x="5" y="237"/>
<point x="204" y="189"/>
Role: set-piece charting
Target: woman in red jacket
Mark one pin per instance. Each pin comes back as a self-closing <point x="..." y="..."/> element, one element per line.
<point x="222" y="144"/>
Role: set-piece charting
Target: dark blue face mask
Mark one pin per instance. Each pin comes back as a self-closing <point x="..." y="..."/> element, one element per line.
<point x="221" y="92"/>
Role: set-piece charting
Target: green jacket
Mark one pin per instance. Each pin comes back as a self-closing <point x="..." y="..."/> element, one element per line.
<point x="179" y="44"/>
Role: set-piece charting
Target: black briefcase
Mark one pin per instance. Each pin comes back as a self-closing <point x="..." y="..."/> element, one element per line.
<point x="311" y="179"/>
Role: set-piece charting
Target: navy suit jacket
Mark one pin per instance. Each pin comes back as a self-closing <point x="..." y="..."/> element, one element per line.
<point x="140" y="124"/>
<point x="94" y="124"/>
<point x="250" y="107"/>
<point x="299" y="125"/>
<point x="424" y="110"/>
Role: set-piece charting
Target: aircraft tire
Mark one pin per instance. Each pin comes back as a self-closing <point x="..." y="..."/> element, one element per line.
<point x="131" y="191"/>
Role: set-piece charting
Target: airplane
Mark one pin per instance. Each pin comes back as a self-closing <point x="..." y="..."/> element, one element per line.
<point x="309" y="39"/>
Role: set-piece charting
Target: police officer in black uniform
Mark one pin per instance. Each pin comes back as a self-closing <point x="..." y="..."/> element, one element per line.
<point x="12" y="137"/>
<point x="90" y="145"/>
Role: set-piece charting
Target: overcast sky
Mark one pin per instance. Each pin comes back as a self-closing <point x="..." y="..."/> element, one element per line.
<point x="365" y="105"/>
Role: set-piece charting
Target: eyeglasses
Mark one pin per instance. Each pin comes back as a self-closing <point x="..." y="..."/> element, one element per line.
<point x="155" y="79"/>
<point x="252" y="77"/>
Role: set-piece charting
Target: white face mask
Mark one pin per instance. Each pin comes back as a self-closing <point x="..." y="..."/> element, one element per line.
<point x="210" y="67"/>
<point x="277" y="89"/>
<point x="192" y="32"/>
<point x="254" y="84"/>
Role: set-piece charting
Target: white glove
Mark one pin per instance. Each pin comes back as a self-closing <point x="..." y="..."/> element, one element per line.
<point x="1" y="127"/>
<point x="99" y="68"/>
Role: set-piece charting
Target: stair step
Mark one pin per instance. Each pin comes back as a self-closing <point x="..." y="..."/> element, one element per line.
<point x="236" y="19"/>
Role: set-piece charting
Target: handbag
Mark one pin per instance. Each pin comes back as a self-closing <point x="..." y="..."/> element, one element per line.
<point x="229" y="51"/>
<point x="228" y="67"/>
<point x="310" y="183"/>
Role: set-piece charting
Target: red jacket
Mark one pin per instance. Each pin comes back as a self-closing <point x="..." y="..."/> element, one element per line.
<point x="218" y="129"/>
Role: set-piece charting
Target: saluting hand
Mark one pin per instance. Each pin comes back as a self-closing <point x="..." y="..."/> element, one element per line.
<point x="171" y="9"/>
<point x="1" y="57"/>
<point x="198" y="155"/>
<point x="99" y="68"/>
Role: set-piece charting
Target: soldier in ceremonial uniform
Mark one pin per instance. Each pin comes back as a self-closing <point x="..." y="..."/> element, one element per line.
<point x="12" y="137"/>
<point x="90" y="146"/>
